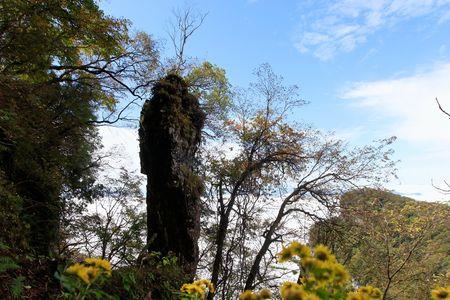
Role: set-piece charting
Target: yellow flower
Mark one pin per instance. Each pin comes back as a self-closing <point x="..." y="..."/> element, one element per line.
<point x="441" y="293"/>
<point x="300" y="250"/>
<point x="310" y="281"/>
<point x="100" y="263"/>
<point x="364" y="289"/>
<point x="84" y="275"/>
<point x="285" y="254"/>
<point x="341" y="275"/>
<point x="248" y="295"/>
<point x="322" y="272"/>
<point x="309" y="263"/>
<point x="185" y="287"/>
<point x="87" y="274"/>
<point x="354" y="296"/>
<point x="206" y="284"/>
<point x="73" y="269"/>
<point x="375" y="293"/>
<point x="193" y="289"/>
<point x="365" y="293"/>
<point x="322" y="276"/>
<point x="93" y="273"/>
<point x="90" y="269"/>
<point x="292" y="290"/>
<point x="198" y="288"/>
<point x="265" y="294"/>
<point x="322" y="253"/>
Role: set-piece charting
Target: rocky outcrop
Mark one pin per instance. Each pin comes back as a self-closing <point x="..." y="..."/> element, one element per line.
<point x="170" y="130"/>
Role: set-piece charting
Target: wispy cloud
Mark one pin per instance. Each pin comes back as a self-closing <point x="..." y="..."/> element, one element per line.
<point x="331" y="27"/>
<point x="409" y="103"/>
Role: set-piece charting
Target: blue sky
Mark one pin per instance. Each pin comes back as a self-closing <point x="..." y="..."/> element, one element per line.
<point x="370" y="69"/>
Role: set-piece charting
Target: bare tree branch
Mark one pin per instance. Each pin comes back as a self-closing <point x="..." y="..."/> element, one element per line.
<point x="440" y="107"/>
<point x="183" y="27"/>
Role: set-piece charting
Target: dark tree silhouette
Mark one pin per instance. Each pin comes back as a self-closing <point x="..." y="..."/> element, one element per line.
<point x="170" y="131"/>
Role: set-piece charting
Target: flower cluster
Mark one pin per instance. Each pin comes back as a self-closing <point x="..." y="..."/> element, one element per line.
<point x="293" y="250"/>
<point x="261" y="295"/>
<point x="322" y="277"/>
<point x="441" y="293"/>
<point x="321" y="270"/>
<point x="365" y="293"/>
<point x="294" y="291"/>
<point x="197" y="288"/>
<point x="90" y="269"/>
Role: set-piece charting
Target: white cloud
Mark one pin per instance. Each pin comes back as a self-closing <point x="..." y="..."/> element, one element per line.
<point x="336" y="26"/>
<point x="410" y="103"/>
<point x="406" y="107"/>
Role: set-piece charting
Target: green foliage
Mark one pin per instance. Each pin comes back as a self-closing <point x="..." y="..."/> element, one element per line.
<point x="7" y="263"/>
<point x="17" y="287"/>
<point x="55" y="32"/>
<point x="61" y="63"/>
<point x="85" y="280"/>
<point x="12" y="227"/>
<point x="10" y="280"/>
<point x="74" y="288"/>
<point x="210" y="84"/>
<point x="47" y="99"/>
<point x="159" y="275"/>
<point x="49" y="157"/>
<point x="129" y="283"/>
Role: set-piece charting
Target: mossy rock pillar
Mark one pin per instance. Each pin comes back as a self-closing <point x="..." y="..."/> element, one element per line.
<point x="169" y="133"/>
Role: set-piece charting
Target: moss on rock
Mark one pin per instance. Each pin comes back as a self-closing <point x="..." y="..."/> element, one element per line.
<point x="170" y="132"/>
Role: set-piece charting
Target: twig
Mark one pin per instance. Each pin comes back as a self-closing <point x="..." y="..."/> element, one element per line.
<point x="440" y="107"/>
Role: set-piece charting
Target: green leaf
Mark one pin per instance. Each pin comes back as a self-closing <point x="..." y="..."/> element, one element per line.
<point x="6" y="263"/>
<point x="17" y="286"/>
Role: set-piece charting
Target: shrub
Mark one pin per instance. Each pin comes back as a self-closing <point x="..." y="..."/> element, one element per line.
<point x="85" y="280"/>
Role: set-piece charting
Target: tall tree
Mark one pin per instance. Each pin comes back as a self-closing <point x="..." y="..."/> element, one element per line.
<point x="267" y="172"/>
<point x="61" y="64"/>
<point x="170" y="132"/>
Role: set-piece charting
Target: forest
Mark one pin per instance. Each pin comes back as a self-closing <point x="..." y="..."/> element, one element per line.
<point x="236" y="198"/>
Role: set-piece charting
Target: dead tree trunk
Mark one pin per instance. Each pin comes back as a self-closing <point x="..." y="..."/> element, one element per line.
<point x="170" y="130"/>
